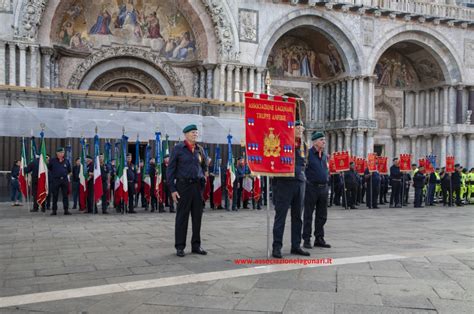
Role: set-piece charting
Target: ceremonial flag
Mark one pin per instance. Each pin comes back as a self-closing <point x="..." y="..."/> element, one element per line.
<point x="107" y="152"/>
<point x="247" y="188"/>
<point x="372" y="162"/>
<point x="382" y="165"/>
<point x="119" y="164"/>
<point x="230" y="177"/>
<point x="158" y="180"/>
<point x="43" y="188"/>
<point x="257" y="188"/>
<point x="332" y="165"/>
<point x="21" y="176"/>
<point x="217" y="193"/>
<point x="98" y="189"/>
<point x="449" y="164"/>
<point x="405" y="162"/>
<point x="33" y="149"/>
<point x="342" y="161"/>
<point x="123" y="177"/>
<point x="69" y="158"/>
<point x="83" y="177"/>
<point x="360" y="165"/>
<point x="147" y="180"/>
<point x="137" y="164"/>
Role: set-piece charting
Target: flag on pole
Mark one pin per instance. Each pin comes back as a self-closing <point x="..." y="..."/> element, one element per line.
<point x="158" y="179"/>
<point x="147" y="180"/>
<point x="33" y="149"/>
<point x="247" y="188"/>
<point x="230" y="178"/>
<point x="98" y="189"/>
<point x="137" y="164"/>
<point x="123" y="176"/>
<point x="82" y="177"/>
<point x="217" y="191"/>
<point x="119" y="163"/>
<point x="69" y="159"/>
<point x="21" y="176"/>
<point x="43" y="188"/>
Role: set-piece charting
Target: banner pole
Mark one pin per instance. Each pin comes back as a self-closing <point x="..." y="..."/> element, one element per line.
<point x="268" y="216"/>
<point x="403" y="190"/>
<point x="345" y="193"/>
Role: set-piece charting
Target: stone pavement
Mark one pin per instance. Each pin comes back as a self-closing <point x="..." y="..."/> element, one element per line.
<point x="429" y="269"/>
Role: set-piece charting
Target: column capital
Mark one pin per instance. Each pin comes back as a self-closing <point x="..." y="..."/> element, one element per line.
<point x="372" y="78"/>
<point x="238" y="67"/>
<point x="49" y="51"/>
<point x="470" y="136"/>
<point x="370" y="132"/>
<point x="445" y="87"/>
<point x="22" y="46"/>
<point x="471" y="88"/>
<point x="209" y="66"/>
<point x="443" y="135"/>
<point x="427" y="136"/>
<point x="260" y="69"/>
<point x="413" y="136"/>
<point x="230" y="67"/>
<point x="349" y="78"/>
<point x="458" y="136"/>
<point x="222" y="66"/>
<point x="347" y="132"/>
<point x="34" y="48"/>
<point x="360" y="132"/>
<point x="460" y="87"/>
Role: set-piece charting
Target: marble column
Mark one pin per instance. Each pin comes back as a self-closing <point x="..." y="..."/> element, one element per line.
<point x="22" y="48"/>
<point x="202" y="82"/>
<point x="458" y="147"/>
<point x="427" y="108"/>
<point x="333" y="101"/>
<point x="349" y="98"/>
<point x="436" y="107"/>
<point x="327" y="103"/>
<point x="470" y="161"/>
<point x="343" y="105"/>
<point x="442" y="142"/>
<point x="337" y="101"/>
<point x="55" y="73"/>
<point x="360" y="142"/>
<point x="230" y="85"/>
<point x="347" y="140"/>
<point x="371" y="102"/>
<point x="355" y="97"/>
<point x="397" y="140"/>
<point x="429" y="145"/>
<point x="314" y="102"/>
<point x="320" y="116"/>
<point x="12" y="47"/>
<point x="222" y="82"/>
<point x="252" y="80"/>
<point x="449" y="145"/>
<point x="459" y="111"/>
<point x="46" y="62"/>
<point x="417" y="109"/>
<point x="410" y="110"/>
<point x="370" y="141"/>
<point x="237" y="95"/>
<point x="2" y="63"/>
<point x="245" y="77"/>
<point x="259" y="81"/>
<point x="195" y="82"/>
<point x="452" y="105"/>
<point x="333" y="142"/>
<point x="445" y="114"/>
<point x="362" y="101"/>
<point x="339" y="140"/>
<point x="210" y="79"/>
<point x="34" y="66"/>
<point x="413" y="146"/>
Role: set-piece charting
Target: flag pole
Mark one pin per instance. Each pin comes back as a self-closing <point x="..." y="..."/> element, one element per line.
<point x="268" y="84"/>
<point x="26" y="177"/>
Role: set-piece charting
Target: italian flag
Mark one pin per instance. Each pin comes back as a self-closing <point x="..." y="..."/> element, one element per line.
<point x="21" y="176"/>
<point x="121" y="182"/>
<point x="230" y="178"/>
<point x="98" y="190"/>
<point x="43" y="188"/>
<point x="159" y="183"/>
<point x="217" y="192"/>
<point x="82" y="181"/>
<point x="247" y="188"/>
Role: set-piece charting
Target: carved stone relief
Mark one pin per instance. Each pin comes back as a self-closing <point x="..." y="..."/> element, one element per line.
<point x="469" y="52"/>
<point x="248" y="25"/>
<point x="31" y="19"/>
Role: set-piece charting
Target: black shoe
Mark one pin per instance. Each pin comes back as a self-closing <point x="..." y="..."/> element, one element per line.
<point x="180" y="253"/>
<point x="376" y="207"/>
<point x="104" y="212"/>
<point x="353" y="207"/>
<point x="74" y="207"/>
<point x="43" y="210"/>
<point x="132" y="212"/>
<point x="67" y="213"/>
<point x="277" y="254"/>
<point x="172" y="210"/>
<point x="200" y="251"/>
<point x="53" y="214"/>
<point x="321" y="243"/>
<point x="33" y="210"/>
<point x="307" y="245"/>
<point x="300" y="251"/>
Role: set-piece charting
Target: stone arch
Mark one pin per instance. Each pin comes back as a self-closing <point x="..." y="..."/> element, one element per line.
<point x="104" y="60"/>
<point x="202" y="21"/>
<point x="434" y="43"/>
<point x="328" y="24"/>
<point x="384" y="137"/>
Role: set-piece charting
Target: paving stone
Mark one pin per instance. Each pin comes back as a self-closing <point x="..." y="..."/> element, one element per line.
<point x="194" y="301"/>
<point x="452" y="306"/>
<point x="347" y="297"/>
<point x="412" y="302"/>
<point x="368" y="309"/>
<point x="264" y="300"/>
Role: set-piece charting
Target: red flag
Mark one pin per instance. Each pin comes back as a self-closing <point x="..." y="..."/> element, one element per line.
<point x="98" y="190"/>
<point x="342" y="161"/>
<point x="332" y="165"/>
<point x="449" y="164"/>
<point x="360" y="165"/>
<point x="42" y="191"/>
<point x="207" y="189"/>
<point x="372" y="162"/>
<point x="21" y="176"/>
<point x="257" y="189"/>
<point x="405" y="162"/>
<point x="247" y="188"/>
<point x="382" y="165"/>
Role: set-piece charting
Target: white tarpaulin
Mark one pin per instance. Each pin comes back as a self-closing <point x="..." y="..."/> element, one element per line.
<point x="64" y="123"/>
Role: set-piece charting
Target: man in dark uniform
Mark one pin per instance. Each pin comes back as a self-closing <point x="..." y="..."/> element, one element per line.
<point x="456" y="183"/>
<point x="396" y="181"/>
<point x="373" y="188"/>
<point x="237" y="185"/>
<point x="131" y="180"/>
<point x="186" y="178"/>
<point x="289" y="192"/>
<point x="50" y="185"/>
<point x="90" y="185"/>
<point x="419" y="183"/>
<point x="60" y="169"/>
<point x="316" y="196"/>
<point x="153" y="198"/>
<point x="168" y="200"/>
<point x="351" y="181"/>
<point x="104" y="174"/>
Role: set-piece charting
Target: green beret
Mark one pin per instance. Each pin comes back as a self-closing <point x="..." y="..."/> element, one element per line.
<point x="298" y="123"/>
<point x="317" y="135"/>
<point x="60" y="150"/>
<point x="189" y="128"/>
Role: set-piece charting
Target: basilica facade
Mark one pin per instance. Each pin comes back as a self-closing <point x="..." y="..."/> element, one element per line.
<point x="376" y="75"/>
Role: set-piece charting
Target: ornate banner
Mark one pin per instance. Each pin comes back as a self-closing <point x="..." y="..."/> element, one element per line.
<point x="421" y="162"/>
<point x="360" y="165"/>
<point x="382" y="165"/>
<point x="449" y="164"/>
<point x="405" y="162"/>
<point x="332" y="166"/>
<point x="372" y="162"/>
<point x="428" y="166"/>
<point x="342" y="161"/>
<point x="270" y="135"/>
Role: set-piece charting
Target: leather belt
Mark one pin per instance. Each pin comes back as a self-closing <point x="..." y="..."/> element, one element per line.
<point x="188" y="180"/>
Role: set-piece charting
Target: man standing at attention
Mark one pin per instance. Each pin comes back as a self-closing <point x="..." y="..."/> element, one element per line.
<point x="186" y="179"/>
<point x="316" y="196"/>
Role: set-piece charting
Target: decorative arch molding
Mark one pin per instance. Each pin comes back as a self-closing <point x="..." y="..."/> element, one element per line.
<point x="324" y="22"/>
<point x="145" y="82"/>
<point x="435" y="44"/>
<point x="27" y="18"/>
<point x="393" y="106"/>
<point x="225" y="29"/>
<point x="104" y="60"/>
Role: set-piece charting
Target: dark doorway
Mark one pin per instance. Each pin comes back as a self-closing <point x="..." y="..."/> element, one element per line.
<point x="379" y="150"/>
